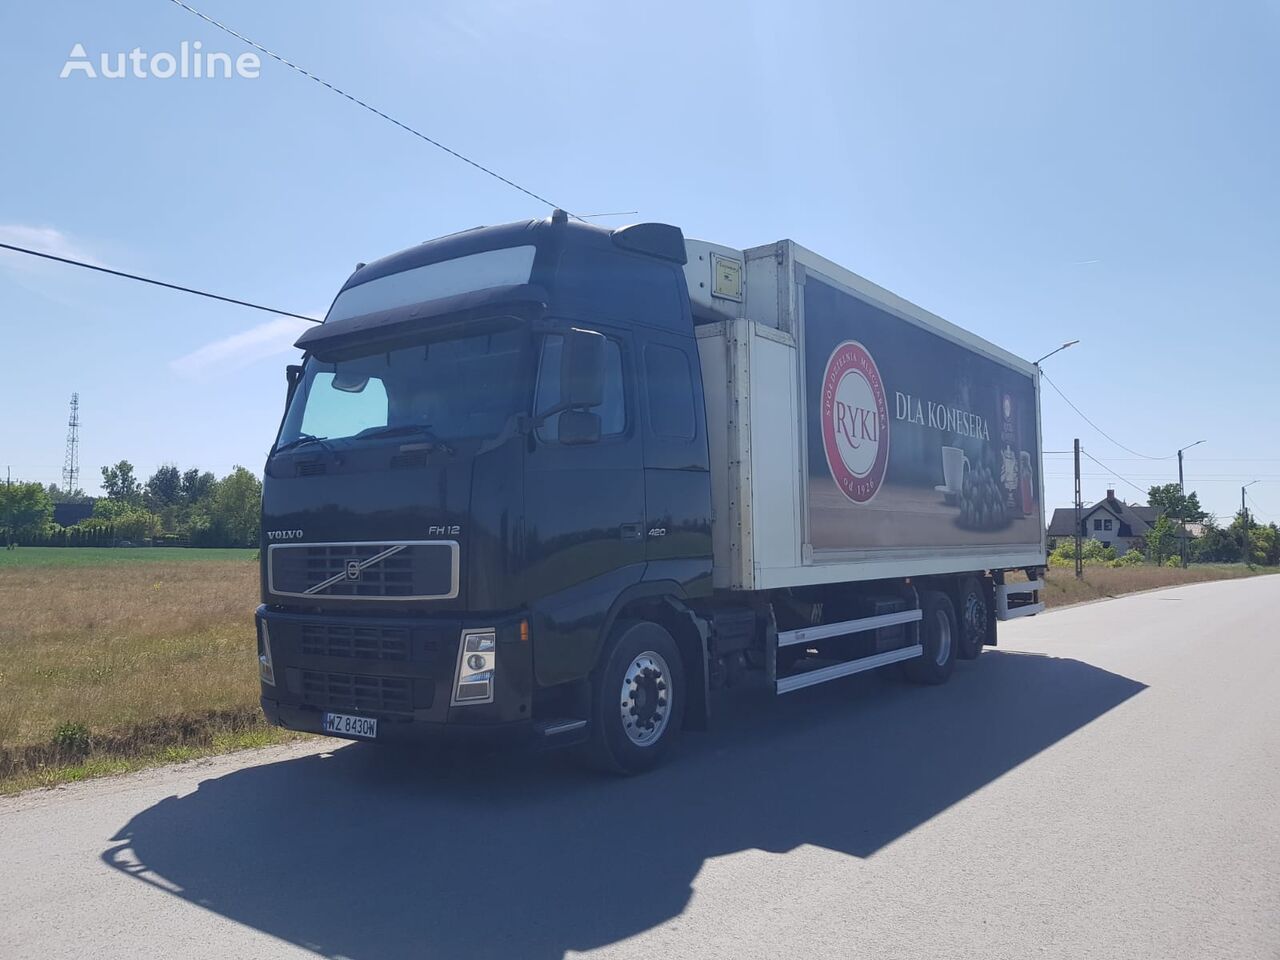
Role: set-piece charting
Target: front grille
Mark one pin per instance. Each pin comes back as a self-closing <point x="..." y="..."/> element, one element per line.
<point x="409" y="570"/>
<point x="342" y="640"/>
<point x="360" y="694"/>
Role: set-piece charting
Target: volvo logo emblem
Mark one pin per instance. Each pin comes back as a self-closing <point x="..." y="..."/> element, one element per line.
<point x="353" y="569"/>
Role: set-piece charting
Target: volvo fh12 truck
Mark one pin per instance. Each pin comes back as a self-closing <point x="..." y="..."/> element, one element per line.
<point x="560" y="483"/>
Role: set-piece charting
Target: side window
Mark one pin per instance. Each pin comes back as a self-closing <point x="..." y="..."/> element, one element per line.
<point x="670" y="388"/>
<point x="1097" y="524"/>
<point x="613" y="411"/>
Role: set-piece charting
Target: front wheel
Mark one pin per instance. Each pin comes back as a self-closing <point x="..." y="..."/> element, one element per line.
<point x="638" y="698"/>
<point x="938" y="636"/>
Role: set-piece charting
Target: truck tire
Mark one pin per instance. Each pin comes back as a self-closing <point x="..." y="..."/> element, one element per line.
<point x="638" y="695"/>
<point x="938" y="636"/>
<point x="974" y="618"/>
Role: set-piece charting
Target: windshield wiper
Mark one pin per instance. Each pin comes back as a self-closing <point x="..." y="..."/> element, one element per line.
<point x="406" y="429"/>
<point x="303" y="439"/>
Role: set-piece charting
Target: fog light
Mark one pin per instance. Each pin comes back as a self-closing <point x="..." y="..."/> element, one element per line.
<point x="477" y="659"/>
<point x="266" y="672"/>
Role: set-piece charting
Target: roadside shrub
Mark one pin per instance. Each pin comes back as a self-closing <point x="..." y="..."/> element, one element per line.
<point x="1131" y="559"/>
<point x="1173" y="562"/>
<point x="72" y="738"/>
<point x="1091" y="551"/>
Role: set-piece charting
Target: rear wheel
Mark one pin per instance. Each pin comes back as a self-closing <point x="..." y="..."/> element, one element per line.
<point x="638" y="698"/>
<point x="974" y="618"/>
<point x="938" y="636"/>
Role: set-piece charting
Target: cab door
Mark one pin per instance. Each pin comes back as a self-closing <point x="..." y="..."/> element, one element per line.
<point x="585" y="511"/>
<point x="677" y="479"/>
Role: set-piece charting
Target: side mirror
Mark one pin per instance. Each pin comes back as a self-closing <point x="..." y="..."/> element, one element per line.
<point x="292" y="374"/>
<point x="581" y="371"/>
<point x="577" y="427"/>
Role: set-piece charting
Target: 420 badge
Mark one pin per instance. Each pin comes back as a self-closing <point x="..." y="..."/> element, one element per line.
<point x="855" y="421"/>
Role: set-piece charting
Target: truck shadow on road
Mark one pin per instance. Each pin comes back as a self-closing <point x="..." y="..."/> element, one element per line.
<point x="366" y="854"/>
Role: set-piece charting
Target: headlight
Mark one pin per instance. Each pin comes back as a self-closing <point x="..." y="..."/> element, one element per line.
<point x="477" y="659"/>
<point x="266" y="672"/>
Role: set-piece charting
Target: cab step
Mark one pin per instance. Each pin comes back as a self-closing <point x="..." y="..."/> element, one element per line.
<point x="559" y="732"/>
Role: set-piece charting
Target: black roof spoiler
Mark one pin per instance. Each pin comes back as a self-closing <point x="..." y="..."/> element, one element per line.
<point x="353" y="335"/>
<point x="659" y="240"/>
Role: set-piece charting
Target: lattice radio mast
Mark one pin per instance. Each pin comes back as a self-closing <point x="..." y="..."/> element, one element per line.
<point x="71" y="462"/>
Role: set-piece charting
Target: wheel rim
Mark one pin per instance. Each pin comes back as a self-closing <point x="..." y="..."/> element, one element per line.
<point x="944" y="637"/>
<point x="646" y="699"/>
<point x="975" y="617"/>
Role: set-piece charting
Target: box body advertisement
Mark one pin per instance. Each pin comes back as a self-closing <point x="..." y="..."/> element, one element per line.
<point x="914" y="441"/>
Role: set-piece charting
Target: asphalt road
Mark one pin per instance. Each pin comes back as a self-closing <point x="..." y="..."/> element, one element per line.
<point x="1106" y="784"/>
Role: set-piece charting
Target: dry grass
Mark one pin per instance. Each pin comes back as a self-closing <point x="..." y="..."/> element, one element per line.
<point x="1061" y="586"/>
<point x="143" y="656"/>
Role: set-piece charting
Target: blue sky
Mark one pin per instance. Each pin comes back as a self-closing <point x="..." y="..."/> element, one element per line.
<point x="1033" y="172"/>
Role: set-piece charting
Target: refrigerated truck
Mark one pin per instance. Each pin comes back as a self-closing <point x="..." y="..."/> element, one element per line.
<point x="558" y="483"/>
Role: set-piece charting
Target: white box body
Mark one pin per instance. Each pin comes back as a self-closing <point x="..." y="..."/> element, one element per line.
<point x="800" y="494"/>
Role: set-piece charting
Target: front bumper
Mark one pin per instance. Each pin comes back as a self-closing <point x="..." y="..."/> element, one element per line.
<point x="400" y="670"/>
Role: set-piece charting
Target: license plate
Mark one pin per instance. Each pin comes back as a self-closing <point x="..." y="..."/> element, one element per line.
<point x="344" y="725"/>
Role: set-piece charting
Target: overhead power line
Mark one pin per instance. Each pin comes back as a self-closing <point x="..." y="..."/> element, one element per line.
<point x="1142" y="456"/>
<point x="1112" y="472"/>
<point x="1164" y="481"/>
<point x="1200" y="460"/>
<point x="372" y="109"/>
<point x="1257" y="508"/>
<point x="157" y="283"/>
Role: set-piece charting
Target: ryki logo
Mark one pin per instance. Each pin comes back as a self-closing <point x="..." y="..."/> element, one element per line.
<point x="855" y="421"/>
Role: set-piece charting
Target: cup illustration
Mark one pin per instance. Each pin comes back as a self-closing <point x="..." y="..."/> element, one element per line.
<point x="954" y="467"/>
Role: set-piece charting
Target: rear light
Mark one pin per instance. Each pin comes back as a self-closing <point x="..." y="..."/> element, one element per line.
<point x="266" y="672"/>
<point x="477" y="660"/>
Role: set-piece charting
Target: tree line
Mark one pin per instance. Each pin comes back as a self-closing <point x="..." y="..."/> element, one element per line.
<point x="179" y="507"/>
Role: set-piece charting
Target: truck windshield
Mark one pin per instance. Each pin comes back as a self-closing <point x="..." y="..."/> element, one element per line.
<point x="447" y="389"/>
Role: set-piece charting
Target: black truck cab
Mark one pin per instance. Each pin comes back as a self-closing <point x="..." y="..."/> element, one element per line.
<point x="494" y="452"/>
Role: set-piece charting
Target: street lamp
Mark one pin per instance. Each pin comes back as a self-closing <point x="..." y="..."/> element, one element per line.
<point x="1244" y="524"/>
<point x="1182" y="503"/>
<point x="1079" y="505"/>
<point x="1069" y="343"/>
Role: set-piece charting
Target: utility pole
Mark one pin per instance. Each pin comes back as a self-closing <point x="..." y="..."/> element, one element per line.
<point x="1244" y="529"/>
<point x="1244" y="525"/>
<point x="1182" y="505"/>
<point x="1079" y="520"/>
<point x="8" y="486"/>
<point x="1182" y="513"/>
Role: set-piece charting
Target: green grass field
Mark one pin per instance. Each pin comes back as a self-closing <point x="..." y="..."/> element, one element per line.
<point x="112" y="659"/>
<point x="99" y="556"/>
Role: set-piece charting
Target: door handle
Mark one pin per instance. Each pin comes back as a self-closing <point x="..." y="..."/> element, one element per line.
<point x="632" y="531"/>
